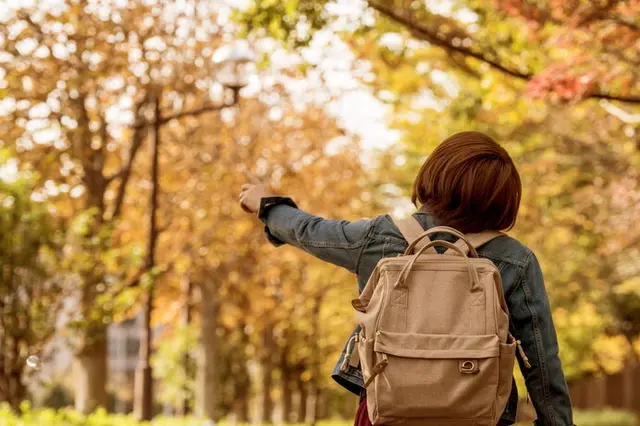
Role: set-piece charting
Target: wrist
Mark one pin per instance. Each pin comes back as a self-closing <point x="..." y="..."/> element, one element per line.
<point x="270" y="201"/>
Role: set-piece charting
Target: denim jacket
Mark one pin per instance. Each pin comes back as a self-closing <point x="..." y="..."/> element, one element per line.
<point x="358" y="246"/>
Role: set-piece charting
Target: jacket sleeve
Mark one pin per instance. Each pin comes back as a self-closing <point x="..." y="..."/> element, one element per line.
<point x="336" y="241"/>
<point x="532" y="324"/>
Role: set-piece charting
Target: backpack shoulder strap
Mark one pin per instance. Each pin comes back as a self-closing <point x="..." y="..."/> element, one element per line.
<point x="477" y="239"/>
<point x="411" y="229"/>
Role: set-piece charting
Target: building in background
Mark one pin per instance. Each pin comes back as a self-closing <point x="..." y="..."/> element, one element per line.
<point x="123" y="346"/>
<point x="122" y="358"/>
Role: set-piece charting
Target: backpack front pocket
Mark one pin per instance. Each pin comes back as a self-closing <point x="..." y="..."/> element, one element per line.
<point x="436" y="376"/>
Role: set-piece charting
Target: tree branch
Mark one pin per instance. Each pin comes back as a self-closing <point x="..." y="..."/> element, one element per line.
<point x="458" y="61"/>
<point x="134" y="280"/>
<point x="633" y="243"/>
<point x="191" y="113"/>
<point x="35" y="27"/>
<point x="424" y="34"/>
<point x="625" y="23"/>
<point x="610" y="97"/>
<point x="124" y="173"/>
<point x="114" y="176"/>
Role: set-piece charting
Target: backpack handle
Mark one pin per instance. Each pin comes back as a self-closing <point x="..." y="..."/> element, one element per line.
<point x="441" y="243"/>
<point x="404" y="274"/>
<point x="448" y="230"/>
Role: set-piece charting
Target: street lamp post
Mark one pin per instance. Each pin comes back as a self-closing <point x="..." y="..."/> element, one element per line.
<point x="234" y="64"/>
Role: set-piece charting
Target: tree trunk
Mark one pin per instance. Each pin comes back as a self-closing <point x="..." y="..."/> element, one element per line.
<point x="207" y="355"/>
<point x="90" y="374"/>
<point x="242" y="385"/>
<point x="243" y="409"/>
<point x="266" y="402"/>
<point x="90" y="361"/>
<point x="12" y="389"/>
<point x="314" y="384"/>
<point x="287" y="393"/>
<point x="242" y="382"/>
<point x="303" y="395"/>
<point x="143" y="398"/>
<point x="312" y="402"/>
<point x="286" y="375"/>
<point x="187" y="287"/>
<point x="143" y="380"/>
<point x="323" y="409"/>
<point x="17" y="391"/>
<point x="635" y="357"/>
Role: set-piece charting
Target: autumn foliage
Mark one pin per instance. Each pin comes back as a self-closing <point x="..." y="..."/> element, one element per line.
<point x="245" y="330"/>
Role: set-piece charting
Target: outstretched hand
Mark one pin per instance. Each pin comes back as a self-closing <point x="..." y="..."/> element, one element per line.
<point x="251" y="195"/>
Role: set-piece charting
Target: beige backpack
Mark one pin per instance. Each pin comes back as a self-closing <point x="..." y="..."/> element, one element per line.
<point x="435" y="347"/>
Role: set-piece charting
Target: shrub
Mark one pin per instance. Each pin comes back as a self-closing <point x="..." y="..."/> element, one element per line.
<point x="68" y="417"/>
<point x="58" y="397"/>
<point x="606" y="418"/>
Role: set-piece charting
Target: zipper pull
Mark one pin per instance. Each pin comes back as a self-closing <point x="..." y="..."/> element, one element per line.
<point x="377" y="369"/>
<point x="525" y="360"/>
<point x="348" y="353"/>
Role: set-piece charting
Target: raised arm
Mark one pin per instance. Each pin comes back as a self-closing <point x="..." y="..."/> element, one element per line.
<point x="532" y="324"/>
<point x="336" y="241"/>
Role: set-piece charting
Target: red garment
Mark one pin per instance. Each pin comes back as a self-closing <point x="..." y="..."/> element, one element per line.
<point x="362" y="417"/>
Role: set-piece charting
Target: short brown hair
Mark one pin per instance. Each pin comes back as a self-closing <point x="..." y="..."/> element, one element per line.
<point x="469" y="183"/>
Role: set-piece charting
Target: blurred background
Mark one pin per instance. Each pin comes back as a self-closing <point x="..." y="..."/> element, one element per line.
<point x="133" y="285"/>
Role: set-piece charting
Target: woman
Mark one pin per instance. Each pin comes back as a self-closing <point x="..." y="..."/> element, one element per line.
<point x="469" y="183"/>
